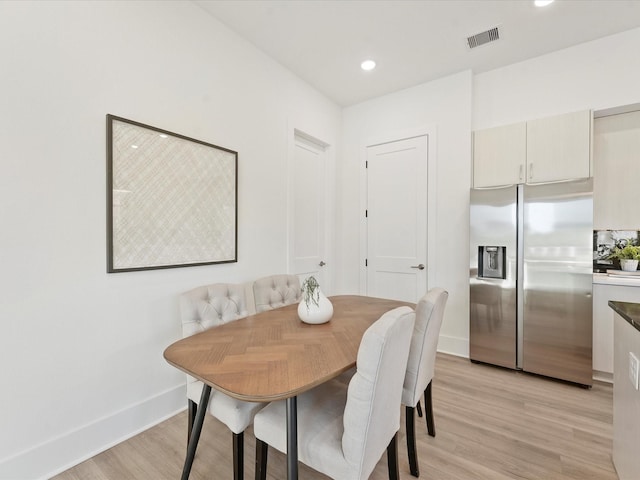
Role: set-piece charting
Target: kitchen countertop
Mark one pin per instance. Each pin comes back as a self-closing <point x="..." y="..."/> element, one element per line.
<point x="629" y="311"/>
<point x="606" y="279"/>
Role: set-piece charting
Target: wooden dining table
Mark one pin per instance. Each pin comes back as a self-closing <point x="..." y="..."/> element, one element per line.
<point x="273" y="356"/>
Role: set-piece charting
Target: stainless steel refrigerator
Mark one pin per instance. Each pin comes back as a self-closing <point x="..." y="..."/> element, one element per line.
<point x="531" y="272"/>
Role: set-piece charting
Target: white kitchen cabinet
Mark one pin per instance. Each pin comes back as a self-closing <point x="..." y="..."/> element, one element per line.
<point x="499" y="155"/>
<point x="544" y="150"/>
<point x="603" y="321"/>
<point x="559" y="147"/>
<point x="616" y="177"/>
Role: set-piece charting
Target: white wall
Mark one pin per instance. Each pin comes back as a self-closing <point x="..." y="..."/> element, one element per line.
<point x="595" y="75"/>
<point x="81" y="350"/>
<point x="443" y="107"/>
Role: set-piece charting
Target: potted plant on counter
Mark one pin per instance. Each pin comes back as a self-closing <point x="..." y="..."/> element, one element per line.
<point x="628" y="256"/>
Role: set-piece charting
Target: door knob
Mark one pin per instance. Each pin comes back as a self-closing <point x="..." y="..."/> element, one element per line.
<point x="419" y="267"/>
<point x="322" y="264"/>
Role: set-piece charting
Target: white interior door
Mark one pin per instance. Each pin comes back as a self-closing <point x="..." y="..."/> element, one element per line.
<point x="307" y="245"/>
<point x="397" y="219"/>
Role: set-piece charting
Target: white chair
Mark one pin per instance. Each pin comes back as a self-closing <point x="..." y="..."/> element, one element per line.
<point x="344" y="432"/>
<point x="207" y="307"/>
<point x="421" y="366"/>
<point x="276" y="291"/>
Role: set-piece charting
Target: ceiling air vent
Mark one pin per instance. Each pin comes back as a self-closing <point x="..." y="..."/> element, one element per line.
<point x="481" y="38"/>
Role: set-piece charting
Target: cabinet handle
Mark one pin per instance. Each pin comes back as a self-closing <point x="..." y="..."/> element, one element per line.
<point x="531" y="171"/>
<point x="520" y="174"/>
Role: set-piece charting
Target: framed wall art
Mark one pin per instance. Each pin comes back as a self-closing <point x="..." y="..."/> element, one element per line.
<point x="604" y="243"/>
<point x="171" y="200"/>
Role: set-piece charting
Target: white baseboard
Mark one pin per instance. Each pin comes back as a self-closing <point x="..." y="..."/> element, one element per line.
<point x="454" y="346"/>
<point x="63" y="452"/>
<point x="603" y="376"/>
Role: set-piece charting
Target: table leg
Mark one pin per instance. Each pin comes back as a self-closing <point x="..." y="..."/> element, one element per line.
<point x="197" y="429"/>
<point x="292" y="438"/>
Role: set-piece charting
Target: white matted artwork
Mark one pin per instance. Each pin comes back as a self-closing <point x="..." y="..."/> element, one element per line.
<point x="171" y="199"/>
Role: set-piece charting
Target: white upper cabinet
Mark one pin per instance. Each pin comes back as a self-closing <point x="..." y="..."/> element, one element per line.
<point x="559" y="148"/>
<point x="499" y="155"/>
<point x="544" y="150"/>
<point x="616" y="162"/>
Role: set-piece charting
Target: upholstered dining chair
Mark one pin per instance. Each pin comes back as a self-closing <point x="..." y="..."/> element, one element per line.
<point x="420" y="367"/>
<point x="276" y="291"/>
<point x="343" y="432"/>
<point x="207" y="307"/>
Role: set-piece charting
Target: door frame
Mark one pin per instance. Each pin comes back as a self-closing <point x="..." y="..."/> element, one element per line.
<point x="392" y="136"/>
<point x="329" y="203"/>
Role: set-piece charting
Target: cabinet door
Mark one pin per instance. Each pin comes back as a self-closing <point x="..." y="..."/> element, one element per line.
<point x="603" y="321"/>
<point x="602" y="329"/>
<point x="616" y="176"/>
<point x="559" y="148"/>
<point x="499" y="155"/>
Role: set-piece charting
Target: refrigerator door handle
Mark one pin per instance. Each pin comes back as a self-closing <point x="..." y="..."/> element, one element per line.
<point x="520" y="280"/>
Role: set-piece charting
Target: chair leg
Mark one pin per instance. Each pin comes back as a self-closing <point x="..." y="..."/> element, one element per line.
<point x="419" y="407"/>
<point x="238" y="456"/>
<point x="262" y="450"/>
<point x="193" y="410"/>
<point x="392" y="458"/>
<point x="411" y="440"/>
<point x="197" y="430"/>
<point x="428" y="407"/>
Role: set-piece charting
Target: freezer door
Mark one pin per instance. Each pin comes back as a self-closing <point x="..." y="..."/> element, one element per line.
<point x="557" y="278"/>
<point x="492" y="313"/>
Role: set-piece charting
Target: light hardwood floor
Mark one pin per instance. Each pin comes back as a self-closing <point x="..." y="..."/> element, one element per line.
<point x="491" y="423"/>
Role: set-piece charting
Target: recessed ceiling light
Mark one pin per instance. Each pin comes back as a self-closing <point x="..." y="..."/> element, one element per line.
<point x="542" y="3"/>
<point x="134" y="146"/>
<point x="162" y="135"/>
<point x="368" y="65"/>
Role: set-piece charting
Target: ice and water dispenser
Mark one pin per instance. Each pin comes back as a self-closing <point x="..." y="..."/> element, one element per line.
<point x="492" y="261"/>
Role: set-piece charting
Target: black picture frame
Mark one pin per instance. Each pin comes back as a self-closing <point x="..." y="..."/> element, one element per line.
<point x="171" y="200"/>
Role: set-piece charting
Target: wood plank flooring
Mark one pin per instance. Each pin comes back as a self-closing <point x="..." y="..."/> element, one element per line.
<point x="491" y="423"/>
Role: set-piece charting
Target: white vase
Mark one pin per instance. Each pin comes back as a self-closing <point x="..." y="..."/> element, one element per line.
<point x="313" y="313"/>
<point x="629" y="265"/>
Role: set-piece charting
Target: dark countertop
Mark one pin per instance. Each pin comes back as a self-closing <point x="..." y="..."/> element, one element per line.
<point x="629" y="311"/>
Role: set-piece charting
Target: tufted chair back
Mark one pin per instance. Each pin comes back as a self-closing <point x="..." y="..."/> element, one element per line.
<point x="424" y="343"/>
<point x="212" y="305"/>
<point x="276" y="291"/>
<point x="207" y="307"/>
<point x="372" y="413"/>
<point x="421" y="367"/>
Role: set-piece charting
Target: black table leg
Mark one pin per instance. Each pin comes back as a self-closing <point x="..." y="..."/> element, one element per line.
<point x="197" y="429"/>
<point x="292" y="438"/>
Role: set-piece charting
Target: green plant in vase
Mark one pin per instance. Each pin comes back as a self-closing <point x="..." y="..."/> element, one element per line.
<point x="628" y="252"/>
<point x="628" y="257"/>
<point x="314" y="307"/>
<point x="311" y="292"/>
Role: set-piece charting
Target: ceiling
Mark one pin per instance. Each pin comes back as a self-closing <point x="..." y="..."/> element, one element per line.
<point x="413" y="42"/>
